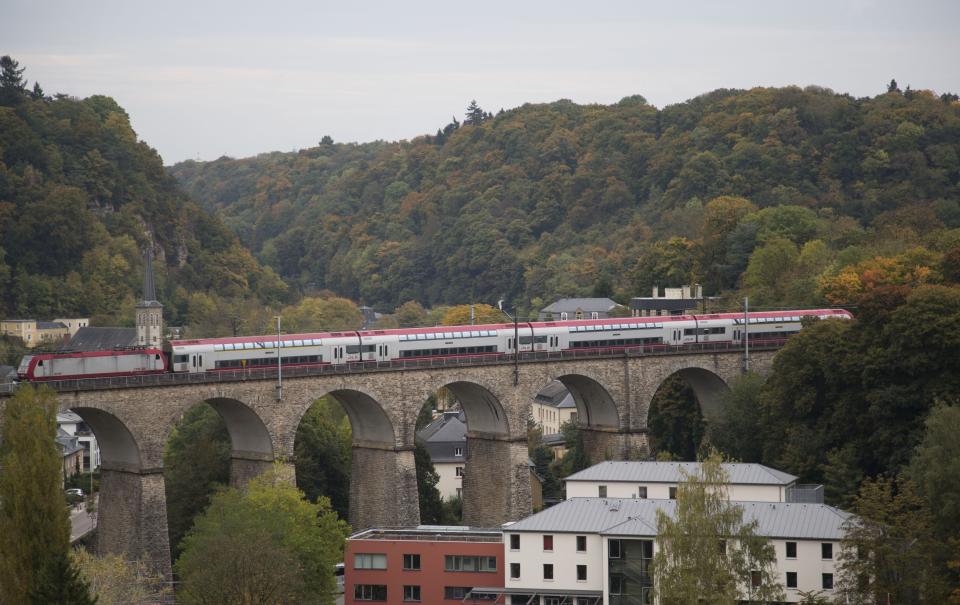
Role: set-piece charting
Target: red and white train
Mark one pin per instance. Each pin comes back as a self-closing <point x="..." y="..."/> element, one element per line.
<point x="386" y="346"/>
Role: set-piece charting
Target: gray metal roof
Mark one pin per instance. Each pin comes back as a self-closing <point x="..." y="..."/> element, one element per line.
<point x="101" y="339"/>
<point x="669" y="472"/>
<point x="589" y="305"/>
<point x="635" y="517"/>
<point x="442" y="436"/>
<point x="556" y="394"/>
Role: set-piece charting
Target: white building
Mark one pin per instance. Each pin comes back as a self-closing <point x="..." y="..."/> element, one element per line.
<point x="74" y="426"/>
<point x="553" y="407"/>
<point x="659" y="480"/>
<point x="598" y="550"/>
<point x="445" y="439"/>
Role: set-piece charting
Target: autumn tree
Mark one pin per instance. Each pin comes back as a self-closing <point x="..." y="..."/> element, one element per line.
<point x="704" y="546"/>
<point x="265" y="545"/>
<point x="482" y="314"/>
<point x="115" y="580"/>
<point x="34" y="526"/>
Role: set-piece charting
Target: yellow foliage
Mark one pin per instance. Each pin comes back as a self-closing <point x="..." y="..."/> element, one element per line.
<point x="483" y="314"/>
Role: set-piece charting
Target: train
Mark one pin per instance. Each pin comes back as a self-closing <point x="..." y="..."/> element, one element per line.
<point x="241" y="353"/>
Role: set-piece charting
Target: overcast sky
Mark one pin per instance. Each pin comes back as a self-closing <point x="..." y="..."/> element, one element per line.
<point x="203" y="79"/>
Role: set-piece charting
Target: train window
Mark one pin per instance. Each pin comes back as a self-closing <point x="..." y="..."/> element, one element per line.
<point x="525" y="340"/>
<point x="474" y="333"/>
<point x="217" y="347"/>
<point x="369" y="348"/>
<point x="539" y="339"/>
<point x="353" y="349"/>
<point x="180" y="358"/>
<point x="403" y="337"/>
<point x="448" y="334"/>
<point x="421" y="336"/>
<point x="40" y="363"/>
<point x="157" y="356"/>
<point x="298" y="343"/>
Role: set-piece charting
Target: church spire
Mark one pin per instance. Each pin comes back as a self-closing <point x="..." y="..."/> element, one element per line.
<point x="149" y="290"/>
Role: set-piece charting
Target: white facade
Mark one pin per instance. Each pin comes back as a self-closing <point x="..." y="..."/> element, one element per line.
<point x="76" y="427"/>
<point x="581" y="531"/>
<point x="450" y="484"/>
<point x="662" y="491"/>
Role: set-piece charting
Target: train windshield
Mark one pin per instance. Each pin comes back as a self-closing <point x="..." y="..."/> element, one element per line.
<point x="24" y="364"/>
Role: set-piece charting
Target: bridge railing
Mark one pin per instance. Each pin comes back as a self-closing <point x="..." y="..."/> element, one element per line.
<point x="359" y="367"/>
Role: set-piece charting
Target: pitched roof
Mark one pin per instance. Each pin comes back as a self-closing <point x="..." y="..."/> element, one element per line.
<point x="635" y="517"/>
<point x="101" y="339"/>
<point x="600" y="305"/>
<point x="556" y="395"/>
<point x="669" y="472"/>
<point x="442" y="436"/>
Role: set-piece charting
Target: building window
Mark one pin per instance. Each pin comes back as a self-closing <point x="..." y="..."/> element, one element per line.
<point x="827" y="581"/>
<point x="791" y="550"/>
<point x="594" y="315"/>
<point x="552" y="600"/>
<point x="581" y="544"/>
<point x="826" y="550"/>
<point x="514" y="571"/>
<point x="642" y="491"/>
<point x="791" y="579"/>
<point x="370" y="592"/>
<point x="514" y="541"/>
<point x="459" y="471"/>
<point x="602" y="491"/>
<point x="755" y="579"/>
<point x="616" y="584"/>
<point x="411" y="562"/>
<point x="411" y="593"/>
<point x="673" y="493"/>
<point x="468" y="563"/>
<point x="459" y="492"/>
<point x="579" y="314"/>
<point x="548" y="542"/>
<point x="458" y="451"/>
<point x="563" y="316"/>
<point x="581" y="573"/>
<point x="369" y="561"/>
<point x="548" y="571"/>
<point x="616" y="551"/>
<point x="457" y="593"/>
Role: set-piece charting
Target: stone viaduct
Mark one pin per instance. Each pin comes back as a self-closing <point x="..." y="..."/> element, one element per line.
<point x="612" y="393"/>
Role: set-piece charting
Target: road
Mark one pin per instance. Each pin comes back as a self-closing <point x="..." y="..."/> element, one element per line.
<point x="81" y="523"/>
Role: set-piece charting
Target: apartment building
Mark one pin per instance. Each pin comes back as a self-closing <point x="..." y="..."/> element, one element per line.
<point x="34" y="333"/>
<point x="588" y="551"/>
<point x="553" y="407"/>
<point x="424" y="564"/>
<point x="659" y="480"/>
<point x="445" y="439"/>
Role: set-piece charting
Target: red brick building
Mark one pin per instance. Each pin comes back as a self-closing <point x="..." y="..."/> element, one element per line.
<point x="426" y="564"/>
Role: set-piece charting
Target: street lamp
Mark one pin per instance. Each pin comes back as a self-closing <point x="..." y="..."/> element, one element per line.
<point x="516" y="343"/>
<point x="279" y="363"/>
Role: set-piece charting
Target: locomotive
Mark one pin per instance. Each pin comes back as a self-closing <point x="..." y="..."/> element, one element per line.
<point x="240" y="353"/>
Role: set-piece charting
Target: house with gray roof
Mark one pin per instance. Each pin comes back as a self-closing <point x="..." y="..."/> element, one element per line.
<point x="553" y="407"/>
<point x="659" y="480"/>
<point x="101" y="339"/>
<point x="445" y="439"/>
<point x="579" y="308"/>
<point x="599" y="550"/>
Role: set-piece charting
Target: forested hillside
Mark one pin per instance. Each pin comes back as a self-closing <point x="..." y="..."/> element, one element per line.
<point x="775" y="191"/>
<point x="81" y="198"/>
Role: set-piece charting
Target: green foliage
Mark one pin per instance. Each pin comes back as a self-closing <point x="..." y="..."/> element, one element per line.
<point x="735" y="432"/>
<point x="548" y="200"/>
<point x="80" y="197"/>
<point x="264" y="545"/>
<point x="34" y="527"/>
<point x="431" y="504"/>
<point x="195" y="463"/>
<point x="674" y="420"/>
<point x="706" y="548"/>
<point x="323" y="455"/>
<point x="61" y="583"/>
<point x="891" y="549"/>
<point x="935" y="469"/>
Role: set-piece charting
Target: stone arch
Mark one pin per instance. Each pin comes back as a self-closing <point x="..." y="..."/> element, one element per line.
<point x="595" y="406"/>
<point x="708" y="386"/>
<point x="383" y="482"/>
<point x="369" y="421"/>
<point x="484" y="412"/>
<point x="119" y="449"/>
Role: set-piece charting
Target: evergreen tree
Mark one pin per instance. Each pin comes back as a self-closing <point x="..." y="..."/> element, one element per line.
<point x="12" y="83"/>
<point x="431" y="505"/>
<point x="34" y="527"/>
<point x="61" y="584"/>
<point x="475" y="115"/>
<point x="892" y="86"/>
<point x="37" y="92"/>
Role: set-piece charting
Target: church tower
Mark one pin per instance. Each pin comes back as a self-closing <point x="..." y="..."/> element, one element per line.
<point x="149" y="310"/>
